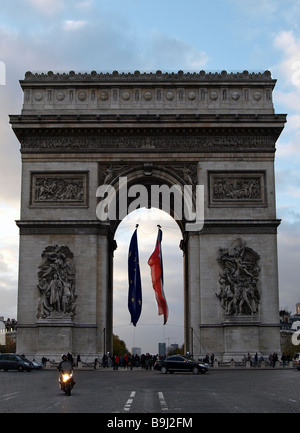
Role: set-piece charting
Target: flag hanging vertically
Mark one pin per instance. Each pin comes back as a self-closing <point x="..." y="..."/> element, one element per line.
<point x="134" y="280"/>
<point x="156" y="264"/>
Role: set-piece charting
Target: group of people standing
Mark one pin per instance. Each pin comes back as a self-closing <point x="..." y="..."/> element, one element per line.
<point x="145" y="361"/>
<point x="273" y="358"/>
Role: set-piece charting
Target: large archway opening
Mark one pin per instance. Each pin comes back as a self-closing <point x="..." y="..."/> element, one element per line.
<point x="150" y="330"/>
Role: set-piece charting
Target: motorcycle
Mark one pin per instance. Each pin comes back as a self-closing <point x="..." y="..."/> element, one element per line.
<point x="66" y="382"/>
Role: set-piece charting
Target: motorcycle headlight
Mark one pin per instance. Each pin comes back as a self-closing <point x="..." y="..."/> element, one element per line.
<point x="66" y="377"/>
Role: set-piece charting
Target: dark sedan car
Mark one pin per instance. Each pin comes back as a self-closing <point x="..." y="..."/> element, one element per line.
<point x="180" y="363"/>
<point x="10" y="361"/>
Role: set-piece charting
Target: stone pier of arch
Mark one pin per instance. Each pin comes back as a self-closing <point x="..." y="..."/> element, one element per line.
<point x="78" y="131"/>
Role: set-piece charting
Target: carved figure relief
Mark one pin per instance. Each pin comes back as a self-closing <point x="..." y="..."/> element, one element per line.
<point x="110" y="173"/>
<point x="236" y="188"/>
<point x="56" y="284"/>
<point x="59" y="188"/>
<point x="233" y="189"/>
<point x="238" y="292"/>
<point x="186" y="173"/>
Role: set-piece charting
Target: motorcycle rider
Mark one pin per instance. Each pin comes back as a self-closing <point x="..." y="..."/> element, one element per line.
<point x="65" y="367"/>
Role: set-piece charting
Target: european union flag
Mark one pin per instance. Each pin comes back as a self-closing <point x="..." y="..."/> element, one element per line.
<point x="134" y="280"/>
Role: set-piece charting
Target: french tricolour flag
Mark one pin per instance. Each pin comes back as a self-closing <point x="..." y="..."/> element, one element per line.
<point x="156" y="264"/>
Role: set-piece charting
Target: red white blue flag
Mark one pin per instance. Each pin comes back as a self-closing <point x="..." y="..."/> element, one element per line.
<point x="156" y="264"/>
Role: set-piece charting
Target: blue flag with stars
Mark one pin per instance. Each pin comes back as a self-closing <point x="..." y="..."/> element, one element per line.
<point x="134" y="280"/>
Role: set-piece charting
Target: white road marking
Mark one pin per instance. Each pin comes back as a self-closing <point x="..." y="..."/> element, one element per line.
<point x="8" y="396"/>
<point x="162" y="401"/>
<point x="129" y="402"/>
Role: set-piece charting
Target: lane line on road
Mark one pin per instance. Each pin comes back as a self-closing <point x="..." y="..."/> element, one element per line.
<point x="129" y="402"/>
<point x="5" y="397"/>
<point x="162" y="401"/>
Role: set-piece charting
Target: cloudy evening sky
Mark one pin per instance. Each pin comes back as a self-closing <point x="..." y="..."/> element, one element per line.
<point x="129" y="35"/>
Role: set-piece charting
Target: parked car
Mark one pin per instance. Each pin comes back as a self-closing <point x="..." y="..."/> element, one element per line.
<point x="10" y="361"/>
<point x="180" y="363"/>
<point x="37" y="365"/>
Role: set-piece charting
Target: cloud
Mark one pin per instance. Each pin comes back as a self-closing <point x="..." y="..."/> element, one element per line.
<point x="173" y="53"/>
<point x="288" y="263"/>
<point x="258" y="7"/>
<point x="8" y="265"/>
<point x="9" y="300"/>
<point x="287" y="97"/>
<point x="85" y="4"/>
<point x="48" y="7"/>
<point x="288" y="148"/>
<point x="288" y="192"/>
<point x="289" y="67"/>
<point x="71" y="25"/>
<point x="289" y="100"/>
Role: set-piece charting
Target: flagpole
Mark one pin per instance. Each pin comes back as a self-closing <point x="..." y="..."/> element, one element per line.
<point x="133" y="337"/>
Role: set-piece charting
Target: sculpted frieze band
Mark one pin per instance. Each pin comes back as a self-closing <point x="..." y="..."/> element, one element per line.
<point x="69" y="143"/>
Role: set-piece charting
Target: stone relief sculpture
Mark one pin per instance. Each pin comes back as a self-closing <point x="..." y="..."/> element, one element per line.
<point x="56" y="283"/>
<point x="112" y="172"/>
<point x="237" y="188"/>
<point x="188" y="173"/>
<point x="238" y="293"/>
<point x="58" y="189"/>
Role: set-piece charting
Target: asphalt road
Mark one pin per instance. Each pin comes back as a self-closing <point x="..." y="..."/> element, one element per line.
<point x="125" y="392"/>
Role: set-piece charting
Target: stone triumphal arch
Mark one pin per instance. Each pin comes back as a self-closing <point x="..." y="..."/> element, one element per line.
<point x="79" y="131"/>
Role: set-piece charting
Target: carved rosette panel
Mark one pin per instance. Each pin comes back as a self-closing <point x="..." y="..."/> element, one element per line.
<point x="148" y="95"/>
<point x="238" y="291"/>
<point x="56" y="284"/>
<point x="236" y="189"/>
<point x="59" y="189"/>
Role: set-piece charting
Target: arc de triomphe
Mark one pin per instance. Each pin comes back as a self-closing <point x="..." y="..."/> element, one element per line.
<point x="79" y="131"/>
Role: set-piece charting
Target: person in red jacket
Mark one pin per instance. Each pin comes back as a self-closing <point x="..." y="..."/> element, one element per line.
<point x="126" y="360"/>
<point x="117" y="362"/>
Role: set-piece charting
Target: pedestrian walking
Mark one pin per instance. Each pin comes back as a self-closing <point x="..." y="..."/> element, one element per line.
<point x="116" y="362"/>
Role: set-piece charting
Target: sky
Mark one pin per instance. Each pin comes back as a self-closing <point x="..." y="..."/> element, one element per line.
<point x="167" y="35"/>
